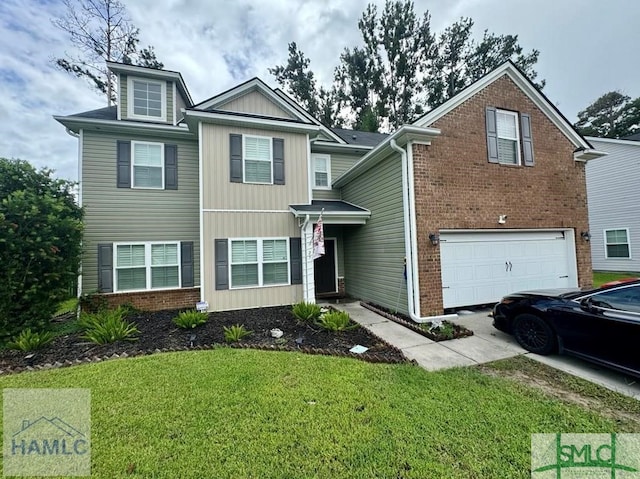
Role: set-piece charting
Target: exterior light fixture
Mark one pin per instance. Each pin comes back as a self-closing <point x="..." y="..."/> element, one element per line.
<point x="434" y="238"/>
<point x="585" y="235"/>
<point x="502" y="219"/>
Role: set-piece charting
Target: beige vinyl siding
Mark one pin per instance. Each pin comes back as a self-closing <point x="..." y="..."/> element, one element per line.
<point x="180" y="104"/>
<point x="255" y="103"/>
<point x="374" y="253"/>
<point x="121" y="215"/>
<point x="221" y="193"/>
<point x="240" y="224"/>
<point x="123" y="96"/>
<point x="335" y="231"/>
<point x="339" y="164"/>
<point x="169" y="110"/>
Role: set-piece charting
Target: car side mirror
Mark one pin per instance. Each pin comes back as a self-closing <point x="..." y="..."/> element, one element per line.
<point x="587" y="304"/>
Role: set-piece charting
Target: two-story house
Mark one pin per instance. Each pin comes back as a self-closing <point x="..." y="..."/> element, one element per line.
<point x="216" y="201"/>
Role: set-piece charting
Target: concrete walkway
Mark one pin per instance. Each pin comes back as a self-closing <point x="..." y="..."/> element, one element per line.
<point x="486" y="345"/>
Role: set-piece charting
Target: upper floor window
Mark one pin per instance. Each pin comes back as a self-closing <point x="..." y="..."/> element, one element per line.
<point x="508" y="137"/>
<point x="147" y="99"/>
<point x="617" y="243"/>
<point x="258" y="159"/>
<point x="321" y="172"/>
<point x="147" y="165"/>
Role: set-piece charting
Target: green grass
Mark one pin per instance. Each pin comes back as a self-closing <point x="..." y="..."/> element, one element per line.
<point x="230" y="413"/>
<point x="601" y="277"/>
<point x="67" y="306"/>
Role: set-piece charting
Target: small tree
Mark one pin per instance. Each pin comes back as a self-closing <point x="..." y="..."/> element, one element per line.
<point x="39" y="245"/>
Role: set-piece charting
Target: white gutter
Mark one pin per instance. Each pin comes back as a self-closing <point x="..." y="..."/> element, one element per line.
<point x="201" y="212"/>
<point x="410" y="239"/>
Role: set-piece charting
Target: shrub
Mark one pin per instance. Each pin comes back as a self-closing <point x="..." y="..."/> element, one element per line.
<point x="235" y="333"/>
<point x="446" y="330"/>
<point x="190" y="319"/>
<point x="40" y="239"/>
<point x="29" y="340"/>
<point x="336" y="321"/>
<point x="107" y="326"/>
<point x="306" y="312"/>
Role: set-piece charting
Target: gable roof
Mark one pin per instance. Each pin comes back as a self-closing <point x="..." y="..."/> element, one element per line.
<point x="528" y="88"/>
<point x="364" y="138"/>
<point x="127" y="69"/>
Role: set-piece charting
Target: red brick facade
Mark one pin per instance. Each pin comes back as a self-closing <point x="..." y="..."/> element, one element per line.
<point x="457" y="188"/>
<point x="153" y="300"/>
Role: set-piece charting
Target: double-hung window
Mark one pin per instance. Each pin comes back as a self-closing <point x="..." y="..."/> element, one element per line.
<point x="259" y="262"/>
<point x="322" y="172"/>
<point x="508" y="137"/>
<point x="617" y="243"/>
<point x="258" y="159"/>
<point x="143" y="266"/>
<point x="147" y="99"/>
<point x="147" y="164"/>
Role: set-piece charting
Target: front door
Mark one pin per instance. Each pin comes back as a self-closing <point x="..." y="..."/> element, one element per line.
<point x="325" y="269"/>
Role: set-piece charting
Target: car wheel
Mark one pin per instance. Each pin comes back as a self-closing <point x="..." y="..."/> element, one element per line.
<point x="534" y="334"/>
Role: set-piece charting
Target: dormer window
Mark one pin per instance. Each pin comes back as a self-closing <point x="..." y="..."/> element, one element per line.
<point x="147" y="99"/>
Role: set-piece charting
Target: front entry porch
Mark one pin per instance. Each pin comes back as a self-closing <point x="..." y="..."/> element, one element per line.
<point x="324" y="276"/>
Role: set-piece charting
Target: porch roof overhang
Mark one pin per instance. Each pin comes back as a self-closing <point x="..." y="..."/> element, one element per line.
<point x="334" y="212"/>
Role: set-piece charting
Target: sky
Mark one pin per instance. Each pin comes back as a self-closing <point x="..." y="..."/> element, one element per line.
<point x="587" y="48"/>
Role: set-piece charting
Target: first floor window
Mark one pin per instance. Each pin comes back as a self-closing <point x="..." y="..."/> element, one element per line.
<point x="259" y="262"/>
<point x="146" y="266"/>
<point x="617" y="243"/>
<point x="508" y="137"/>
<point x="147" y="162"/>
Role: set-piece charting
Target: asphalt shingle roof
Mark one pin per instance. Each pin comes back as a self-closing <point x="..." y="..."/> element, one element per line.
<point x="107" y="113"/>
<point x="363" y="138"/>
<point x="334" y="206"/>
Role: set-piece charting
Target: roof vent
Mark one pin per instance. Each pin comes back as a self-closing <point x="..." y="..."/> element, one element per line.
<point x="354" y="137"/>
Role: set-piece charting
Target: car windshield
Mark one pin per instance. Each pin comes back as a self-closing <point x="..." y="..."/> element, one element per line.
<point x="624" y="298"/>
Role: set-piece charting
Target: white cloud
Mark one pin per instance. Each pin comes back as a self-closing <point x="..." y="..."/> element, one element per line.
<point x="587" y="48"/>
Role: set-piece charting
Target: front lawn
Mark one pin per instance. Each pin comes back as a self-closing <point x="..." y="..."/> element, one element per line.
<point x="601" y="277"/>
<point x="245" y="413"/>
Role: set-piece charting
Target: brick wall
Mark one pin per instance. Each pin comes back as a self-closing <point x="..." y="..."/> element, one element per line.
<point x="153" y="300"/>
<point x="457" y="188"/>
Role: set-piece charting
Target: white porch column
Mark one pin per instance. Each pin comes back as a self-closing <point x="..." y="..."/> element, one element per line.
<point x="308" y="281"/>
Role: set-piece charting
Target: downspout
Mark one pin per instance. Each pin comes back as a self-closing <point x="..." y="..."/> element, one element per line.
<point x="305" y="266"/>
<point x="79" y="137"/>
<point x="411" y="241"/>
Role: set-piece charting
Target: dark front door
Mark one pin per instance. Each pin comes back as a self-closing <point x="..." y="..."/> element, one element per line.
<point x="325" y="269"/>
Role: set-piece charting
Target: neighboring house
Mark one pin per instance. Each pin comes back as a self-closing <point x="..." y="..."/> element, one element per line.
<point x="217" y="201"/>
<point x="614" y="205"/>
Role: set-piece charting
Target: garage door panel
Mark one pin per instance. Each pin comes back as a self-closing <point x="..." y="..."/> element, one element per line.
<point x="480" y="268"/>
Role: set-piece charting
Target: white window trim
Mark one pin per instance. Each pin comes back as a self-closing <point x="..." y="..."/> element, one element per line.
<point x="133" y="164"/>
<point x="327" y="158"/>
<point x="260" y="262"/>
<point x="628" y="243"/>
<point x="244" y="168"/>
<point x="147" y="265"/>
<point x="516" y="117"/>
<point x="163" y="100"/>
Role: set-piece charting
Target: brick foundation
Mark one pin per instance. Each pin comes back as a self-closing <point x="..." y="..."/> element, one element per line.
<point x="150" y="300"/>
<point x="457" y="188"/>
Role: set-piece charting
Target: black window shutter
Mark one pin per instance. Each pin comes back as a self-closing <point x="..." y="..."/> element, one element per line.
<point x="186" y="260"/>
<point x="124" y="164"/>
<point x="527" y="141"/>
<point x="278" y="161"/>
<point x="105" y="268"/>
<point x="492" y="134"/>
<point x="222" y="264"/>
<point x="235" y="147"/>
<point x="295" y="259"/>
<point x="170" y="167"/>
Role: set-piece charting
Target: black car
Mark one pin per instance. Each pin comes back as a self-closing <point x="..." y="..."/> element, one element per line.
<point x="600" y="325"/>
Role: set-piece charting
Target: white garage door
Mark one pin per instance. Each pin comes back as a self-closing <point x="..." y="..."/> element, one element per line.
<point x="479" y="268"/>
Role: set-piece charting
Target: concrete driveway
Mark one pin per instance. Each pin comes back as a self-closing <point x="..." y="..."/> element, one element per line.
<point x="486" y="345"/>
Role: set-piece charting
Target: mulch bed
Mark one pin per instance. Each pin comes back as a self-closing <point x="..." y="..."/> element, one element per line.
<point x="403" y="320"/>
<point x="159" y="334"/>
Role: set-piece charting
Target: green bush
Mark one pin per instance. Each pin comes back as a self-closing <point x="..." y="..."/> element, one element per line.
<point x="306" y="312"/>
<point x="40" y="240"/>
<point x="235" y="333"/>
<point x="107" y="326"/>
<point x="190" y="319"/>
<point x="29" y="340"/>
<point x="336" y="321"/>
